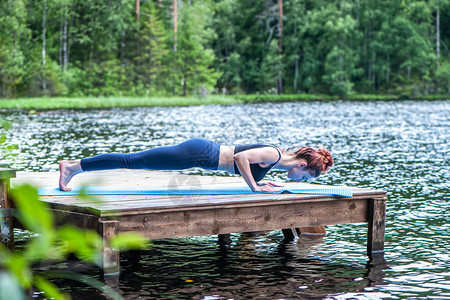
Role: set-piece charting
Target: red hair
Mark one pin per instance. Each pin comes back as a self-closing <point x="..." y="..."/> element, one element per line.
<point x="318" y="160"/>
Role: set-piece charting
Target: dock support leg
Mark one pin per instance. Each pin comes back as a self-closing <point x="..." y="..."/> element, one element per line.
<point x="224" y="239"/>
<point x="111" y="258"/>
<point x="6" y="209"/>
<point x="376" y="228"/>
<point x="290" y="234"/>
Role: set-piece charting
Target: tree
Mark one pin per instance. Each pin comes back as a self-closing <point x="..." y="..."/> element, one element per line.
<point x="150" y="64"/>
<point x="341" y="59"/>
<point x="228" y="60"/>
<point x="13" y="36"/>
<point x="193" y="59"/>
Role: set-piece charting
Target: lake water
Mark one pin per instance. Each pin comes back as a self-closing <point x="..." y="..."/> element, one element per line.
<point x="401" y="147"/>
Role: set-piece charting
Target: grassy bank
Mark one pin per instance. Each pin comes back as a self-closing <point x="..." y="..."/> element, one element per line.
<point x="99" y="102"/>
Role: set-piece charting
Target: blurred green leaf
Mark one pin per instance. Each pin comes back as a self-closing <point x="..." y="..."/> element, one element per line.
<point x="111" y="293"/>
<point x="129" y="240"/>
<point x="41" y="247"/>
<point x="49" y="288"/>
<point x="84" y="243"/>
<point x="33" y="214"/>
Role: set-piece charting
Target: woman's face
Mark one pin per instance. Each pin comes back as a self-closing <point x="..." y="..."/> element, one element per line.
<point x="300" y="173"/>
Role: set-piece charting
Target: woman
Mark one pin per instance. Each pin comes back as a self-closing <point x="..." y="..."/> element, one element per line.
<point x="250" y="161"/>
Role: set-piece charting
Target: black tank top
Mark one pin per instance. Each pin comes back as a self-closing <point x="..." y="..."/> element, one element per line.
<point x="258" y="172"/>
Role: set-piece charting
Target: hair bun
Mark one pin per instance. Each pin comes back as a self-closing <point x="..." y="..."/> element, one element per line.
<point x="327" y="159"/>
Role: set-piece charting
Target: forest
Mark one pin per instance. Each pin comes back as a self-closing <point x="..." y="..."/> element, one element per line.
<point x="197" y="47"/>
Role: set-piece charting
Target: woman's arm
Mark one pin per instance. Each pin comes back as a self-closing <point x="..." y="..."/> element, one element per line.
<point x="266" y="155"/>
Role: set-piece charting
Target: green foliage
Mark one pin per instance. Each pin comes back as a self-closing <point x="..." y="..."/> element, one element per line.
<point x="443" y="75"/>
<point x="152" y="51"/>
<point x="192" y="59"/>
<point x="14" y="36"/>
<point x="51" y="243"/>
<point x="100" y="48"/>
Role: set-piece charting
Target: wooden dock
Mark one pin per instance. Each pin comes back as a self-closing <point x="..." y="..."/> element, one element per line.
<point x="167" y="216"/>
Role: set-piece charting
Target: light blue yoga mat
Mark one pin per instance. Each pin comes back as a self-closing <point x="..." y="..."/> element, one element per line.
<point x="103" y="190"/>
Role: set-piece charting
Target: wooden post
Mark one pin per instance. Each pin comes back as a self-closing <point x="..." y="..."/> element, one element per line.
<point x="111" y="258"/>
<point x="224" y="239"/>
<point x="290" y="234"/>
<point x="6" y="208"/>
<point x="376" y="227"/>
<point x="375" y="269"/>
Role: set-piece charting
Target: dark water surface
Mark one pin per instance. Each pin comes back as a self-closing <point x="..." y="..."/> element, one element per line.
<point x="401" y="147"/>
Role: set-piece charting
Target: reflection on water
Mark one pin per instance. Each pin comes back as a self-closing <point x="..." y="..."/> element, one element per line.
<point x="401" y="147"/>
<point x="252" y="266"/>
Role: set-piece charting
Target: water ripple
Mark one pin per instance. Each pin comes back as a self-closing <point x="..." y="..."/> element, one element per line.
<point x="401" y="147"/>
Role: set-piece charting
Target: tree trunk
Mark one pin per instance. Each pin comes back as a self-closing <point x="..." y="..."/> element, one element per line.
<point x="66" y="56"/>
<point x="70" y="32"/>
<point x="15" y="45"/>
<point x="280" y="21"/>
<point x="296" y="64"/>
<point x="438" y="52"/>
<point x="437" y="35"/>
<point x="280" y="84"/>
<point x="60" y="51"/>
<point x="91" y="52"/>
<point x="44" y="28"/>
<point x="175" y="19"/>
<point x="388" y="59"/>
<point x="137" y="9"/>
<point x="296" y="75"/>
<point x="375" y="77"/>
<point x="280" y="10"/>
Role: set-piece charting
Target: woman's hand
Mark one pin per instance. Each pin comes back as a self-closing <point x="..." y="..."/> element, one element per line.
<point x="266" y="189"/>
<point x="269" y="183"/>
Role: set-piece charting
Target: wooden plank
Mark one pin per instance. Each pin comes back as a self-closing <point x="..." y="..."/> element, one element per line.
<point x="179" y="201"/>
<point x="84" y="221"/>
<point x="64" y="217"/>
<point x="131" y="206"/>
<point x="244" y="219"/>
<point x="137" y="211"/>
<point x="376" y="226"/>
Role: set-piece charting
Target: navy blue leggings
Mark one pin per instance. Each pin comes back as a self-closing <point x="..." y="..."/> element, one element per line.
<point x="191" y="153"/>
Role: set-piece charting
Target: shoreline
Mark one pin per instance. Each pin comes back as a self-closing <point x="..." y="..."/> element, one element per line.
<point x="109" y="102"/>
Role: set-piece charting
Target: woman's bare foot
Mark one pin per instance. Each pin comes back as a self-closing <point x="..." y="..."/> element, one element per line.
<point x="68" y="169"/>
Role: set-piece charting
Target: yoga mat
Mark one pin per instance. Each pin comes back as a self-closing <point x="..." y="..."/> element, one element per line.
<point x="103" y="190"/>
